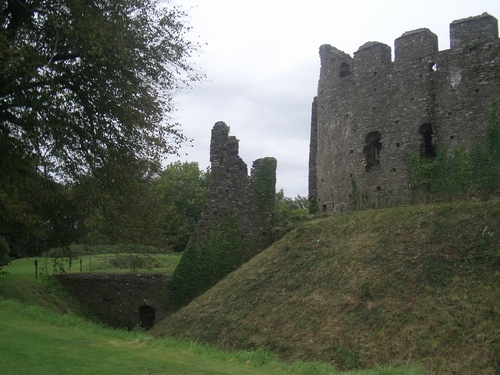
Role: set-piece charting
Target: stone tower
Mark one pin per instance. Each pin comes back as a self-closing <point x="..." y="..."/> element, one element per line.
<point x="370" y="112"/>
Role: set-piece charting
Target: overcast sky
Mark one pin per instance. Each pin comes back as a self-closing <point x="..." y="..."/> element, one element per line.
<point x="262" y="66"/>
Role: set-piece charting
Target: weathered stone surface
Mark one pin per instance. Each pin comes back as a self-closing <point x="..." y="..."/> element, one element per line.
<point x="234" y="192"/>
<point x="125" y="301"/>
<point x="371" y="112"/>
<point x="236" y="223"/>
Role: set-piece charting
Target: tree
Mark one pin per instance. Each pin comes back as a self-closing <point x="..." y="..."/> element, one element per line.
<point x="4" y="254"/>
<point x="183" y="191"/>
<point x="35" y="212"/>
<point x="288" y="212"/>
<point x="119" y="204"/>
<point x="83" y="80"/>
<point x="85" y="86"/>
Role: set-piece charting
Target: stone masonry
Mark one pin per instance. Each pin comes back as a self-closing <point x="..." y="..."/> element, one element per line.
<point x="121" y="300"/>
<point x="234" y="192"/>
<point x="370" y="112"/>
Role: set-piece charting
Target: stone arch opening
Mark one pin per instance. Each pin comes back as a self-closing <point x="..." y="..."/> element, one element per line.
<point x="372" y="150"/>
<point x="147" y="316"/>
<point x="427" y="148"/>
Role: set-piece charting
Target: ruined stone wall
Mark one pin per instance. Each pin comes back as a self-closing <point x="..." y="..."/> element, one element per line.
<point x="236" y="223"/>
<point x="124" y="301"/>
<point x="250" y="199"/>
<point x="371" y="112"/>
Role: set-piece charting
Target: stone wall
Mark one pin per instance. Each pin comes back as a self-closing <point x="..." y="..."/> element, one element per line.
<point x="370" y="112"/>
<point x="249" y="198"/>
<point x="236" y="223"/>
<point x="125" y="301"/>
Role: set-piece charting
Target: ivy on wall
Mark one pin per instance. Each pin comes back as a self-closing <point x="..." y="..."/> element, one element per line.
<point x="264" y="186"/>
<point x="223" y="248"/>
<point x="204" y="264"/>
<point x="265" y="182"/>
<point x="313" y="205"/>
<point x="358" y="197"/>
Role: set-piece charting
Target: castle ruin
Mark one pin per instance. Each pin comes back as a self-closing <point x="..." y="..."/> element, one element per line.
<point x="249" y="199"/>
<point x="370" y="112"/>
<point x="236" y="223"/>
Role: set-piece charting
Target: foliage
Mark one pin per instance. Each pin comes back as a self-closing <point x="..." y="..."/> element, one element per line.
<point x="359" y="198"/>
<point x="146" y="262"/>
<point x="84" y="81"/>
<point x="289" y="213"/>
<point x="264" y="188"/>
<point x="119" y="204"/>
<point x="419" y="170"/>
<point x="36" y="212"/>
<point x="448" y="176"/>
<point x="4" y="254"/>
<point x="486" y="159"/>
<point x="109" y="258"/>
<point x="211" y="256"/>
<point x="264" y="182"/>
<point x="313" y="205"/>
<point x="204" y="264"/>
<point x="459" y="174"/>
<point x="182" y="190"/>
<point x="127" y="202"/>
<point x="85" y="96"/>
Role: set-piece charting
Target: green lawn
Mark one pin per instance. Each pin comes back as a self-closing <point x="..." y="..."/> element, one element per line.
<point x="34" y="340"/>
<point x="108" y="263"/>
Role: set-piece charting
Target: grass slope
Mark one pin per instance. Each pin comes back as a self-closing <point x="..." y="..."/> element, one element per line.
<point x="408" y="285"/>
<point x="34" y="340"/>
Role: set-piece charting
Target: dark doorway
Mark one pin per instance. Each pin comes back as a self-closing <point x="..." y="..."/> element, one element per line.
<point x="426" y="148"/>
<point x="147" y="316"/>
<point x="372" y="150"/>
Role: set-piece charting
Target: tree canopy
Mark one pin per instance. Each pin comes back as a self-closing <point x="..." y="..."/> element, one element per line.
<point x="183" y="190"/>
<point x="84" y="80"/>
<point x="85" y="98"/>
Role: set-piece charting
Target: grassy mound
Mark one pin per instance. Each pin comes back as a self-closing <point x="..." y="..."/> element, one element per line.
<point x="416" y="285"/>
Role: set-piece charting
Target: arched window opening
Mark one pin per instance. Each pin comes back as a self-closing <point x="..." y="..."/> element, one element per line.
<point x="345" y="70"/>
<point x="426" y="148"/>
<point x="147" y="316"/>
<point x="372" y="150"/>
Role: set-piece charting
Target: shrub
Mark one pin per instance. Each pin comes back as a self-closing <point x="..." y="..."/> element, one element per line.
<point x="4" y="254"/>
<point x="459" y="174"/>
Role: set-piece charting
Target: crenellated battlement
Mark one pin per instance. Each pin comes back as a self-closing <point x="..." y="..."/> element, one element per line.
<point x="371" y="56"/>
<point x="371" y="112"/>
<point x="465" y="33"/>
<point x="473" y="30"/>
<point x="414" y="44"/>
